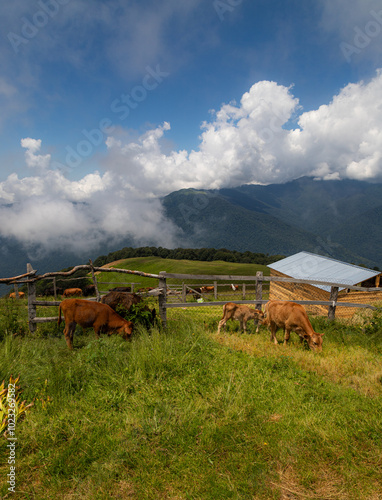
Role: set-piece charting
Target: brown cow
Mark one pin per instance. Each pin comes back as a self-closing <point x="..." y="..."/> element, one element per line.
<point x="72" y="292"/>
<point x="242" y="313"/>
<point x="291" y="317"/>
<point x="206" y="289"/>
<point x="13" y="295"/>
<point x="125" y="299"/>
<point x="91" y="314"/>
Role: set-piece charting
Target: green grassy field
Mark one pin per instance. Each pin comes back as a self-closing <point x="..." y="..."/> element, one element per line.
<point x="189" y="414"/>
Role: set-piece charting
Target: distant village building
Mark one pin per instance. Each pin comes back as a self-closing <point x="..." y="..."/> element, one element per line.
<point x="309" y="266"/>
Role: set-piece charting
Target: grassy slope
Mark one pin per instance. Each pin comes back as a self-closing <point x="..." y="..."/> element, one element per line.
<point x="179" y="416"/>
<point x="188" y="414"/>
<point x="154" y="265"/>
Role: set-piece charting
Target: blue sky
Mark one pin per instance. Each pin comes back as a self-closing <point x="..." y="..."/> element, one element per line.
<point x="126" y="101"/>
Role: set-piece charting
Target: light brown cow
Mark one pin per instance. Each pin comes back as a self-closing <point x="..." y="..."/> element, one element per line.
<point x="92" y="314"/>
<point x="241" y="313"/>
<point x="291" y="317"/>
<point x="13" y="295"/>
<point x="206" y="289"/>
<point x="72" y="292"/>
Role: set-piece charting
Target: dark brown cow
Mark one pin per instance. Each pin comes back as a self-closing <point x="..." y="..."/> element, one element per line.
<point x="241" y="313"/>
<point x="114" y="299"/>
<point x="72" y="292"/>
<point x="120" y="289"/>
<point x="91" y="314"/>
<point x="126" y="300"/>
<point x="291" y="317"/>
<point x="89" y="290"/>
<point x="196" y="292"/>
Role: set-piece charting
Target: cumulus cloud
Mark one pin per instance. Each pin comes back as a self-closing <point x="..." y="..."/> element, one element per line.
<point x="260" y="140"/>
<point x="265" y="138"/>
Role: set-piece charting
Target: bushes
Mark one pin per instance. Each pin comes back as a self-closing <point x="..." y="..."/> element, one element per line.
<point x="201" y="254"/>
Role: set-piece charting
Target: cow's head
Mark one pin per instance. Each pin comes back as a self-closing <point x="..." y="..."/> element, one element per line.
<point x="126" y="330"/>
<point x="258" y="315"/>
<point x="314" y="341"/>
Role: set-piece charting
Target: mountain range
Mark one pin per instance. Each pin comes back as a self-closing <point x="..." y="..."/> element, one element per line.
<point x="341" y="219"/>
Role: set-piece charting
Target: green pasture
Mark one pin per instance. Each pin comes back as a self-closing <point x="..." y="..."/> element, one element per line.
<point x="154" y="265"/>
<point x="187" y="414"/>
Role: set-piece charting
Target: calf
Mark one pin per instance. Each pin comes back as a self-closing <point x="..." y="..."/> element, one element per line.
<point x="72" y="292"/>
<point x="91" y="314"/>
<point x="291" y="317"/>
<point x="241" y="313"/>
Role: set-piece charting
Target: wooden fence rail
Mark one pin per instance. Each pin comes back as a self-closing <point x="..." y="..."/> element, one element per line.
<point x="30" y="278"/>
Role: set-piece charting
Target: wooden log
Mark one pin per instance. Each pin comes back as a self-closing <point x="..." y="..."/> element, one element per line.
<point x="98" y="297"/>
<point x="333" y="299"/>
<point x="45" y="319"/>
<point x="162" y="298"/>
<point x="259" y="289"/>
<point x="31" y="299"/>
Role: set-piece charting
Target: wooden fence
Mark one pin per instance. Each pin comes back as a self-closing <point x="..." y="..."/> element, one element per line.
<point x="161" y="290"/>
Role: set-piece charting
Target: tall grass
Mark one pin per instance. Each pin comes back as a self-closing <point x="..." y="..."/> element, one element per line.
<point x="177" y="415"/>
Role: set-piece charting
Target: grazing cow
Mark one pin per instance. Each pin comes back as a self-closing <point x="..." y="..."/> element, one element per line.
<point x="234" y="287"/>
<point x="241" y="313"/>
<point x="120" y="289"/>
<point x="196" y="292"/>
<point x="126" y="300"/>
<point x="207" y="289"/>
<point x="291" y="317"/>
<point x="91" y="314"/>
<point x="89" y="290"/>
<point x="50" y="291"/>
<point x="13" y="295"/>
<point x="114" y="299"/>
<point x="72" y="292"/>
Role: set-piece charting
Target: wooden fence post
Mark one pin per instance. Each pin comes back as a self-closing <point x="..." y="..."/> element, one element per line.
<point x="98" y="296"/>
<point x="162" y="298"/>
<point x="16" y="288"/>
<point x="259" y="289"/>
<point x="332" y="307"/>
<point x="243" y="291"/>
<point x="54" y="288"/>
<point x="31" y="299"/>
<point x="215" y="290"/>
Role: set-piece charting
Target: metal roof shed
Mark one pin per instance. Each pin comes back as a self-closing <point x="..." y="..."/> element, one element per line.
<point x="310" y="266"/>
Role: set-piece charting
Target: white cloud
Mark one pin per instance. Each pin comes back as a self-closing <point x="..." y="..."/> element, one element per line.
<point x="253" y="142"/>
<point x="48" y="211"/>
<point x="261" y="139"/>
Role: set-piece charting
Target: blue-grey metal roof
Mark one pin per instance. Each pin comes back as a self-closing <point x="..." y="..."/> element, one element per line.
<point x="306" y="265"/>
